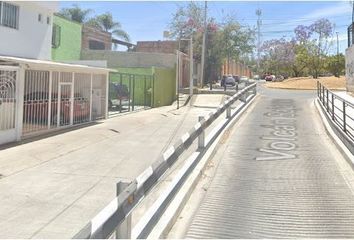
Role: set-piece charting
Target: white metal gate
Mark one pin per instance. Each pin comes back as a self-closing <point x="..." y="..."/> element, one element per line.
<point x="65" y="105"/>
<point x="8" y="96"/>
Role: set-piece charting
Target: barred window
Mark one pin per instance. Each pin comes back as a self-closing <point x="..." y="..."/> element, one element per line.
<point x="56" y="36"/>
<point x="9" y="15"/>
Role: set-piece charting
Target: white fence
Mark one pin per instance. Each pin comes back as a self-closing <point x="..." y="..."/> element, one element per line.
<point x="58" y="99"/>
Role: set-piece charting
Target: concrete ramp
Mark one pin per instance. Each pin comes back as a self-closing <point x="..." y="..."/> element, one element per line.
<point x="279" y="176"/>
<point x="207" y="100"/>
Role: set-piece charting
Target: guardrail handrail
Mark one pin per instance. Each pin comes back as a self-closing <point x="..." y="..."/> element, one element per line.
<point x="329" y="105"/>
<point x="121" y="206"/>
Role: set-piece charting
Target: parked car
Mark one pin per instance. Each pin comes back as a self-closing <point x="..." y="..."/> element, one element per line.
<point x="268" y="78"/>
<point x="256" y="77"/>
<point x="230" y="81"/>
<point x="36" y="107"/>
<point x="244" y="79"/>
<point x="237" y="78"/>
<point x="279" y="78"/>
<point x="118" y="95"/>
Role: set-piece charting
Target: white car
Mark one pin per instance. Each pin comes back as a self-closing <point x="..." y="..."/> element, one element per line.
<point x="243" y="79"/>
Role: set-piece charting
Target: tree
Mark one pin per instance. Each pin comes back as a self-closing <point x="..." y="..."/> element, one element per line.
<point x="106" y="23"/>
<point x="186" y="21"/>
<point x="229" y="40"/>
<point x="315" y="42"/>
<point x="75" y="13"/>
<point x="279" y="55"/>
<point x="335" y="64"/>
<point x="236" y="41"/>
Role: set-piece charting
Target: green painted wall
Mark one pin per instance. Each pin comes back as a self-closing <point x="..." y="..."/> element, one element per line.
<point x="159" y="88"/>
<point x="142" y="84"/>
<point x="164" y="86"/>
<point x="70" y="40"/>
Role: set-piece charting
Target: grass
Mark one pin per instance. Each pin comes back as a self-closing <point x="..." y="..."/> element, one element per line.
<point x="309" y="83"/>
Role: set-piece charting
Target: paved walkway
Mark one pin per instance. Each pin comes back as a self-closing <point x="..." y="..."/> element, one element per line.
<point x="52" y="187"/>
<point x="279" y="177"/>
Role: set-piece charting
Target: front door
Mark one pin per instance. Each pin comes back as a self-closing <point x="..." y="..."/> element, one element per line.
<point x="8" y="96"/>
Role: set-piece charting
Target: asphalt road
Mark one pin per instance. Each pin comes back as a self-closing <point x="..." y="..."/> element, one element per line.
<point x="277" y="176"/>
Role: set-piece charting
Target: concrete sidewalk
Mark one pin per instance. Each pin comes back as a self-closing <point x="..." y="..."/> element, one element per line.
<point x="50" y="188"/>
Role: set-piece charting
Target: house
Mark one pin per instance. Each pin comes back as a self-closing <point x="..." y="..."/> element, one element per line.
<point x="66" y="39"/>
<point x="95" y="39"/>
<point x="26" y="29"/>
<point x="146" y="75"/>
<point x="38" y="95"/>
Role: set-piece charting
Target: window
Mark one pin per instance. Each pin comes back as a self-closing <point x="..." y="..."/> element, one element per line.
<point x="39" y="17"/>
<point x="9" y="14"/>
<point x="96" y="45"/>
<point x="56" y="36"/>
<point x="48" y="20"/>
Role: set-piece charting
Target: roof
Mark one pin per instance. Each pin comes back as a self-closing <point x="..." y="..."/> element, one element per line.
<point x="36" y="64"/>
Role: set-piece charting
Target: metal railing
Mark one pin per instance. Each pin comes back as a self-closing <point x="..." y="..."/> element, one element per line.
<point x="116" y="216"/>
<point x="340" y="111"/>
<point x="129" y="92"/>
<point x="350" y="31"/>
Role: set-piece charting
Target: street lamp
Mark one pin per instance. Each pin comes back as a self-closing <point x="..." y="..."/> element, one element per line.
<point x="337" y="56"/>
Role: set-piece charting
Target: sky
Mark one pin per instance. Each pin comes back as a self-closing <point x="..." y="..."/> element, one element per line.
<point x="146" y="21"/>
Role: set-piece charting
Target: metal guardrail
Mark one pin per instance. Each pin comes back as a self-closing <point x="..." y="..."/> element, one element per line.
<point x="119" y="210"/>
<point x="340" y="110"/>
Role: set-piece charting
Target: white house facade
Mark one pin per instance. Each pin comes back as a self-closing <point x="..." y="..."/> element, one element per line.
<point x="26" y="28"/>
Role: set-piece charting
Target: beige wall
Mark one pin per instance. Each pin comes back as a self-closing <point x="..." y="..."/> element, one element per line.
<point x="117" y="59"/>
<point x="157" y="46"/>
<point x="349" y="68"/>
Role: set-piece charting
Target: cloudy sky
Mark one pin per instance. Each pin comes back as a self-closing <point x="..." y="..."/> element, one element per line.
<point x="148" y="20"/>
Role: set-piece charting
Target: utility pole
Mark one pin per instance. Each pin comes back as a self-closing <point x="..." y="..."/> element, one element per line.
<point x="259" y="23"/>
<point x="337" y="56"/>
<point x="191" y="66"/>
<point x="204" y="43"/>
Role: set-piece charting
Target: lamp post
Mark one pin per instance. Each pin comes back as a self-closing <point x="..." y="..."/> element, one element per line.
<point x="337" y="56"/>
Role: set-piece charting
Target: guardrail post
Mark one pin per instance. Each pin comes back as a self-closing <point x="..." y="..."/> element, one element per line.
<point x="327" y="100"/>
<point x="323" y="95"/>
<point x="123" y="231"/>
<point x="254" y="90"/>
<point x="236" y="87"/>
<point x="243" y="97"/>
<point x="344" y="120"/>
<point x="318" y="90"/>
<point x="201" y="137"/>
<point x="332" y="106"/>
<point x="228" y="112"/>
